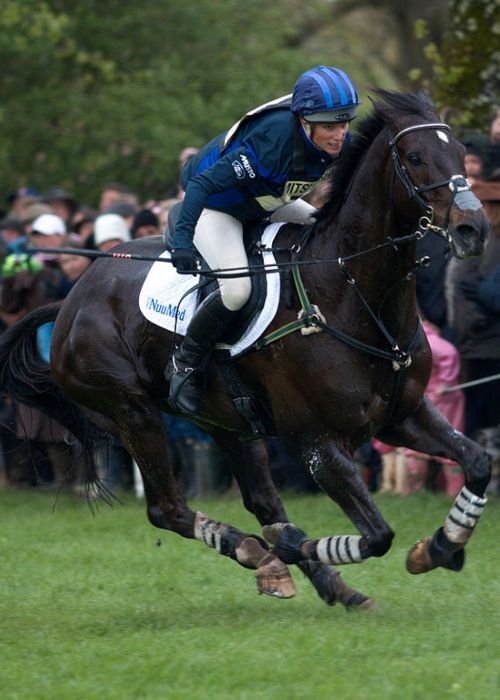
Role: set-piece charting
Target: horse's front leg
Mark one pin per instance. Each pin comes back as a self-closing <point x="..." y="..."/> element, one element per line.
<point x="338" y="475"/>
<point x="250" y="466"/>
<point x="429" y="432"/>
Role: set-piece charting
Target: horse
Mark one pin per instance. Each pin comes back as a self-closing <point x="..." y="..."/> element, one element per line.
<point x="363" y="372"/>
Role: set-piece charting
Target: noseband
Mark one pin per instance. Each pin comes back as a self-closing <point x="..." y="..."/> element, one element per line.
<point x="462" y="196"/>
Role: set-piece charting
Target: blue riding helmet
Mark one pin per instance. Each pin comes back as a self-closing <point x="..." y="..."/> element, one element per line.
<point x="325" y="94"/>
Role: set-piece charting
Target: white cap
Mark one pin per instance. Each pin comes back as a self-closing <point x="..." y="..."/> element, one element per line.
<point x="110" y="227"/>
<point x="49" y="225"/>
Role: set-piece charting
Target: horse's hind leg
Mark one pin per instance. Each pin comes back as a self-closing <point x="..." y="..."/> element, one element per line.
<point x="429" y="432"/>
<point x="140" y="429"/>
<point x="249" y="465"/>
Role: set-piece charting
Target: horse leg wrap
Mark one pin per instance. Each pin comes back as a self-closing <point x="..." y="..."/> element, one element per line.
<point x="229" y="541"/>
<point x="288" y="547"/>
<point x="463" y="516"/>
<point x="216" y="535"/>
<point x="273" y="532"/>
<point x="343" y="549"/>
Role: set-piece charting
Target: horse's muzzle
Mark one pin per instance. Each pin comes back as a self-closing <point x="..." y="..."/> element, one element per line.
<point x="470" y="235"/>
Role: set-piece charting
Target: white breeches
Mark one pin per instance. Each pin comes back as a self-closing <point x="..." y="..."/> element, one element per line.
<point x="219" y="239"/>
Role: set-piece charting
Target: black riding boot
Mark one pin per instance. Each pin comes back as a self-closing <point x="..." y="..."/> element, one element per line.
<point x="185" y="369"/>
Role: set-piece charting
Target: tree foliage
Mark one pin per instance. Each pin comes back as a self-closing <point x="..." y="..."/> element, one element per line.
<point x="465" y="78"/>
<point x="92" y="92"/>
<point x="97" y="91"/>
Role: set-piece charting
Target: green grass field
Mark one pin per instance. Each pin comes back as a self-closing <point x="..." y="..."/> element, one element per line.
<point x="108" y="607"/>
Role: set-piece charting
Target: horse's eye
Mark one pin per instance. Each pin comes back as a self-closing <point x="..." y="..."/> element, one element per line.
<point x="414" y="159"/>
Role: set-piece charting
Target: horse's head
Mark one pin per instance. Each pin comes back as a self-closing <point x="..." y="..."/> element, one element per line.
<point x="428" y="176"/>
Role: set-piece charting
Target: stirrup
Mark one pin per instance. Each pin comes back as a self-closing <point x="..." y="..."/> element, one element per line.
<point x="173" y="368"/>
<point x="185" y="392"/>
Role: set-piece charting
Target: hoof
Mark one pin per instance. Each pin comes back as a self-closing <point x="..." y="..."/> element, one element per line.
<point x="350" y="598"/>
<point x="361" y="602"/>
<point x="273" y="578"/>
<point x="419" y="559"/>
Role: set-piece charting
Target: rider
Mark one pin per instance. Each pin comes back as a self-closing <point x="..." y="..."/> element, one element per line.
<point x="263" y="165"/>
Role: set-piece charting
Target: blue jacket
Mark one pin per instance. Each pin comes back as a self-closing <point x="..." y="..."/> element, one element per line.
<point x="262" y="163"/>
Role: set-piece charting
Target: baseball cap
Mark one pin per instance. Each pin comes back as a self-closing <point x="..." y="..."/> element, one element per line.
<point x="48" y="225"/>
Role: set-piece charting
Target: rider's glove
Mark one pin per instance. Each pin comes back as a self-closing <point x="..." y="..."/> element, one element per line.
<point x="184" y="260"/>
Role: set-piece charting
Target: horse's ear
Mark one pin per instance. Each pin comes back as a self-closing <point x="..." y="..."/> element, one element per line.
<point x="382" y="106"/>
<point x="428" y="106"/>
<point x="426" y="100"/>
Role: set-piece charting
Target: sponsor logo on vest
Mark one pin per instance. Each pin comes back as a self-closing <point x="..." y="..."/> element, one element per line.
<point x="247" y="166"/>
<point x="238" y="169"/>
<point x="297" y="188"/>
<point x="165" y="309"/>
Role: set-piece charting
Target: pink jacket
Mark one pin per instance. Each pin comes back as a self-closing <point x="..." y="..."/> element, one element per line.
<point x="445" y="372"/>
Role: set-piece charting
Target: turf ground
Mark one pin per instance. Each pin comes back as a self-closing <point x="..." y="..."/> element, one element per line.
<point x="107" y="607"/>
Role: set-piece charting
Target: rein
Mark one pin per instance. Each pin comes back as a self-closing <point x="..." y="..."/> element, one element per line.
<point x="310" y="315"/>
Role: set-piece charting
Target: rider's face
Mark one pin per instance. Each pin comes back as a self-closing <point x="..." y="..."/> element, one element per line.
<point x="329" y="137"/>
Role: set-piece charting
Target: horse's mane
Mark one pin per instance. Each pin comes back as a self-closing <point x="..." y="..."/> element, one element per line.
<point x="390" y="104"/>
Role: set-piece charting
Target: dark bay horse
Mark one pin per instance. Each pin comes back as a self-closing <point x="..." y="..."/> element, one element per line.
<point x="328" y="392"/>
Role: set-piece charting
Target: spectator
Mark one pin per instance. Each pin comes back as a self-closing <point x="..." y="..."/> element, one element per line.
<point x="109" y="231"/>
<point x="20" y="199"/>
<point x="61" y="203"/>
<point x="82" y="223"/>
<point x="145" y="224"/>
<point x="126" y="210"/>
<point x="393" y="468"/>
<point x="431" y="281"/>
<point x="13" y="235"/>
<point x="473" y="302"/>
<point x="488" y="145"/>
<point x="113" y="192"/>
<point x="445" y="373"/>
<point x="165" y="206"/>
<point x="73" y="265"/>
<point x="473" y="162"/>
<point x="47" y="231"/>
<point x="43" y="453"/>
<point x="31" y="212"/>
<point x="177" y="191"/>
<point x="198" y="464"/>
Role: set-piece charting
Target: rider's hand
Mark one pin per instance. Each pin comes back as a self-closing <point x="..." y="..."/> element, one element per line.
<point x="184" y="260"/>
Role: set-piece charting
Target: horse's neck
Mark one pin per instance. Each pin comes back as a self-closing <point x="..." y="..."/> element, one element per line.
<point x="359" y="237"/>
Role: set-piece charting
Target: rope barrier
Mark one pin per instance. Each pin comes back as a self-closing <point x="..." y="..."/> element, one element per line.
<point x="474" y="382"/>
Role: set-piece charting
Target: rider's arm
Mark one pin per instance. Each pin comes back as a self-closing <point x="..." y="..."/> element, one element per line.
<point x="222" y="176"/>
<point x="264" y="155"/>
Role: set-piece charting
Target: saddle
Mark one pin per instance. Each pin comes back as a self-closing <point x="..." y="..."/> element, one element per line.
<point x="251" y="236"/>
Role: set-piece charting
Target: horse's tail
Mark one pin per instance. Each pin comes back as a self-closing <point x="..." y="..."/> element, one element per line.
<point x="26" y="377"/>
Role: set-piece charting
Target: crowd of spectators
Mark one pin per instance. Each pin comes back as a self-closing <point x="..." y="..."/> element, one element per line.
<point x="459" y="301"/>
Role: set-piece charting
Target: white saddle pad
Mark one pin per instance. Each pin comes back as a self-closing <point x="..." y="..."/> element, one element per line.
<point x="168" y="299"/>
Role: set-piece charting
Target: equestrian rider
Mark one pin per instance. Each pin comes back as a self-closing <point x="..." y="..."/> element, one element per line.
<point x="263" y="165"/>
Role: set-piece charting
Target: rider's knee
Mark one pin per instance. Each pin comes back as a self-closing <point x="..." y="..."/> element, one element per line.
<point x="235" y="295"/>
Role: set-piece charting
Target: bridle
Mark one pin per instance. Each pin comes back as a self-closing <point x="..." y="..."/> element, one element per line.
<point x="462" y="195"/>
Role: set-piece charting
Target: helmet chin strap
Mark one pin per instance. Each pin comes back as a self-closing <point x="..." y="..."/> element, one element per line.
<point x="307" y="129"/>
